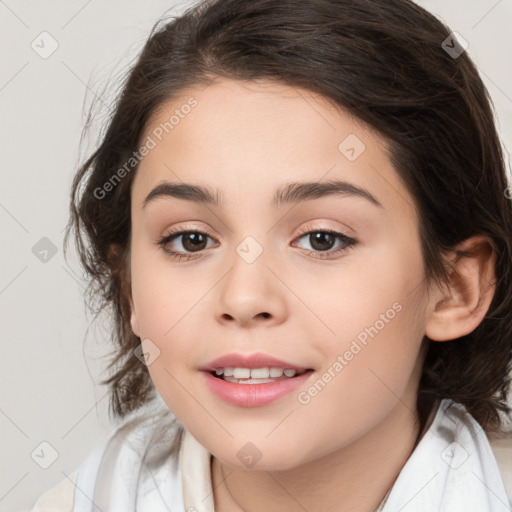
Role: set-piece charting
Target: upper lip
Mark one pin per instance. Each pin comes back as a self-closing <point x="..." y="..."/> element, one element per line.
<point x="254" y="360"/>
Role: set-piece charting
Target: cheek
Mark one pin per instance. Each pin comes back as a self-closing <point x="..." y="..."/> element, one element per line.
<point x="373" y="293"/>
<point x="370" y="368"/>
<point x="162" y="294"/>
<point x="159" y="304"/>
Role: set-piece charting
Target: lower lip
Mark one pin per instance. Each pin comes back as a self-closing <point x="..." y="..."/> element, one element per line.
<point x="253" y="395"/>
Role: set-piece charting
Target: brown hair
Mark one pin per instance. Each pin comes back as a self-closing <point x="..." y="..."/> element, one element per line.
<point x="384" y="62"/>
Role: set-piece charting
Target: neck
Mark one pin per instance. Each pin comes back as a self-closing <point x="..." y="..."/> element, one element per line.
<point x="353" y="479"/>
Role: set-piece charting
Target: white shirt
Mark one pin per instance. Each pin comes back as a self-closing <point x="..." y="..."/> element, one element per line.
<point x="452" y="469"/>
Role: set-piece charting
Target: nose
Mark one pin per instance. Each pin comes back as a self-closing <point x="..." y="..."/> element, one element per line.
<point x="251" y="294"/>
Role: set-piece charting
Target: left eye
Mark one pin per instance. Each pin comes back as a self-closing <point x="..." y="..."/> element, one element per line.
<point x="323" y="240"/>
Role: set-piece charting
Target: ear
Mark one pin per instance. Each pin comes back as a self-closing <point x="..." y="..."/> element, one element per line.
<point x="458" y="308"/>
<point x="120" y="265"/>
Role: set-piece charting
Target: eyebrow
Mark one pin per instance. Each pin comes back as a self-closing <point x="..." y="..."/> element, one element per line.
<point x="286" y="194"/>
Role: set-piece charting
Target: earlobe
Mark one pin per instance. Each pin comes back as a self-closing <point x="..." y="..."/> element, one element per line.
<point x="133" y="320"/>
<point x="458" y="308"/>
<point x="133" y="315"/>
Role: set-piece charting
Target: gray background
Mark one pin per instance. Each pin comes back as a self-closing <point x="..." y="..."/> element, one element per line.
<point x="51" y="350"/>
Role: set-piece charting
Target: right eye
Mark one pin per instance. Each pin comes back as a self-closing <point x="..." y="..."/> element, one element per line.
<point x="192" y="240"/>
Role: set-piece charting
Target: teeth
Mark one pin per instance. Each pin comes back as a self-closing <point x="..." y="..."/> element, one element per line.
<point x="276" y="372"/>
<point x="241" y="373"/>
<point x="249" y="381"/>
<point x="255" y="373"/>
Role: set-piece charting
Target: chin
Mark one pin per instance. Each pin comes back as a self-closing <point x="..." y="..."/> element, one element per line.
<point x="253" y="457"/>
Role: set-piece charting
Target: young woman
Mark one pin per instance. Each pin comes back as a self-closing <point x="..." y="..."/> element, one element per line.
<point x="298" y="214"/>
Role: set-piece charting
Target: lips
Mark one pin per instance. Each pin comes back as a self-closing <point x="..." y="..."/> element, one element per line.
<point x="253" y="360"/>
<point x="255" y="395"/>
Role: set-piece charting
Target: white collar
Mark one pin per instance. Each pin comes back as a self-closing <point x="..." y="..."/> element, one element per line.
<point x="196" y="475"/>
<point x="452" y="469"/>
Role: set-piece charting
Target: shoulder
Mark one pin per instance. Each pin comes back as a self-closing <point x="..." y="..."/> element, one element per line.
<point x="454" y="467"/>
<point x="59" y="498"/>
<point x="496" y="448"/>
<point x="502" y="449"/>
<point x="473" y="453"/>
<point x="136" y="465"/>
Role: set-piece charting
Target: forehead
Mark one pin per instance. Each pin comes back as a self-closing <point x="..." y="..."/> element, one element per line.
<point x="248" y="108"/>
<point x="243" y="138"/>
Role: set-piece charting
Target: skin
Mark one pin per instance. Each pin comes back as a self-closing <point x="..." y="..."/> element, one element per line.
<point x="344" y="449"/>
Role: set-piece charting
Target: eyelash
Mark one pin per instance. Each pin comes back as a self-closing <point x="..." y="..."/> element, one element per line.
<point x="347" y="241"/>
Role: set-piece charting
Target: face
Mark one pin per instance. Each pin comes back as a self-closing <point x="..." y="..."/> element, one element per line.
<point x="331" y="280"/>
